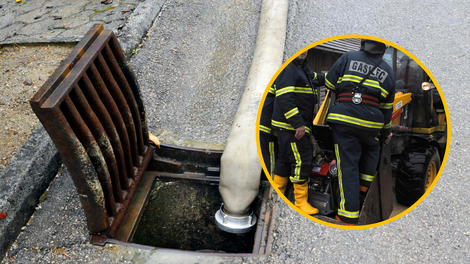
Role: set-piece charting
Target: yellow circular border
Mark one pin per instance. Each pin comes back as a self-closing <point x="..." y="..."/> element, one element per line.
<point x="446" y="154"/>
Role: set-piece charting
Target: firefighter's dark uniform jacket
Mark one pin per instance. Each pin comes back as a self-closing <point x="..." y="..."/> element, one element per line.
<point x="293" y="108"/>
<point x="356" y="126"/>
<point x="295" y="97"/>
<point x="268" y="137"/>
<point x="267" y="112"/>
<point x="345" y="74"/>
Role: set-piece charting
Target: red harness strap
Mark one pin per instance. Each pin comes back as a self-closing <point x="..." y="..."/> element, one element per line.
<point x="366" y="99"/>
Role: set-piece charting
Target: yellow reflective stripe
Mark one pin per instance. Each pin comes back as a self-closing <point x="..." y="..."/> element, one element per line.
<point x="355" y="121"/>
<point x="265" y="129"/>
<point x="368" y="82"/>
<point x="315" y="76"/>
<point x="387" y="126"/>
<point x="386" y="105"/>
<point x="272" y="90"/>
<point x="340" y="176"/>
<point x="298" y="162"/>
<point x="271" y="159"/>
<point x="281" y="125"/>
<point x="291" y="113"/>
<point x="285" y="90"/>
<point x="286" y="125"/>
<point x="306" y="90"/>
<point x="328" y="84"/>
<point x="293" y="180"/>
<point x="351" y="78"/>
<point x="348" y="214"/>
<point x="366" y="177"/>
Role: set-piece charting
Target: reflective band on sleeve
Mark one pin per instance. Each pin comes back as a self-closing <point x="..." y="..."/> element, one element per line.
<point x="272" y="90"/>
<point x="366" y="177"/>
<point x="386" y="105"/>
<point x="387" y="126"/>
<point x="281" y="125"/>
<point x="328" y="84"/>
<point x="287" y="126"/>
<point x="291" y="113"/>
<point x="265" y="129"/>
<point x="306" y="90"/>
<point x="285" y="90"/>
<point x="355" y="121"/>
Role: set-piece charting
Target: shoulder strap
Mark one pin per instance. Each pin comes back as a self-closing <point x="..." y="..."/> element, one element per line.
<point x="367" y="76"/>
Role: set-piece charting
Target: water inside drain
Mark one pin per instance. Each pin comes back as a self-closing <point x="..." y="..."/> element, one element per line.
<point x="180" y="215"/>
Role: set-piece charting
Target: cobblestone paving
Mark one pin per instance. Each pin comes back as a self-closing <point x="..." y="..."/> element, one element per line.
<point x="44" y="21"/>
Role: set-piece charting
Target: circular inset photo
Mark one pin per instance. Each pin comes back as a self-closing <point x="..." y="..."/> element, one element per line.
<point x="354" y="132"/>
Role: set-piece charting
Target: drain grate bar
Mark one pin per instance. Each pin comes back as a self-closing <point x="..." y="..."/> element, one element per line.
<point x="92" y="109"/>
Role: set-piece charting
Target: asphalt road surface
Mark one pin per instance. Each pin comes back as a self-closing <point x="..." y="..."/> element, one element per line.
<point x="438" y="229"/>
<point x="191" y="97"/>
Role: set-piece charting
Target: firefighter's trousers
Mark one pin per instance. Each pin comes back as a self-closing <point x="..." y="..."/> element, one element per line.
<point x="357" y="154"/>
<point x="295" y="156"/>
<point x="269" y="150"/>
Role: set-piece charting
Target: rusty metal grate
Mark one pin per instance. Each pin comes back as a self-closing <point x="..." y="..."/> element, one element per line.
<point x="92" y="109"/>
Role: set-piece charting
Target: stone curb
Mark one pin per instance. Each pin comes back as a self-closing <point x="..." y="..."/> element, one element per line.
<point x="31" y="170"/>
<point x="139" y="24"/>
<point x="24" y="180"/>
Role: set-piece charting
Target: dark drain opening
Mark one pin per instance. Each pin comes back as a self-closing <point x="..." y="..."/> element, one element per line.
<point x="174" y="209"/>
<point x="180" y="215"/>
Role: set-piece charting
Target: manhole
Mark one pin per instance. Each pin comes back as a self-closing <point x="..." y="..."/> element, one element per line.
<point x="174" y="210"/>
<point x="180" y="215"/>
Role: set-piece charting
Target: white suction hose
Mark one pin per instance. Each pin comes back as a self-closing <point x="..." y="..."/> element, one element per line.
<point x="240" y="164"/>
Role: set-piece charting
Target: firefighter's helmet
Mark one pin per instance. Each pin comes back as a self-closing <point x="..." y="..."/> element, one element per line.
<point x="373" y="47"/>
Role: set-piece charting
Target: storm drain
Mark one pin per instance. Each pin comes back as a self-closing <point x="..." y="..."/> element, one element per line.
<point x="92" y="110"/>
<point x="134" y="193"/>
<point x="174" y="204"/>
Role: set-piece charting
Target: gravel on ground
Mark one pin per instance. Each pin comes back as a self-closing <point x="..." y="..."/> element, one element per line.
<point x="23" y="70"/>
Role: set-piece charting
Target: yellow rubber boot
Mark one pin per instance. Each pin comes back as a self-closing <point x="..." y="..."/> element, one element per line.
<point x="281" y="183"/>
<point x="301" y="198"/>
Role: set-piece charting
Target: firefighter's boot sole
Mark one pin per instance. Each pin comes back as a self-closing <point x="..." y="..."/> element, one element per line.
<point x="346" y="224"/>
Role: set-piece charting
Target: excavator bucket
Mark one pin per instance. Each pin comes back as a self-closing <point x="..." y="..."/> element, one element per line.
<point x="378" y="204"/>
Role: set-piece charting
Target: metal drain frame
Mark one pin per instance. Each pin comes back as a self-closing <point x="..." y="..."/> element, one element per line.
<point x="93" y="111"/>
<point x="190" y="164"/>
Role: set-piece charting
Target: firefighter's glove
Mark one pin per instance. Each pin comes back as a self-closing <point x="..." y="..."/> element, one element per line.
<point x="299" y="132"/>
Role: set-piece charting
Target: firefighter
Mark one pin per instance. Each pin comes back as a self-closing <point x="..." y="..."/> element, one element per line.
<point x="268" y="136"/>
<point x="292" y="120"/>
<point x="365" y="90"/>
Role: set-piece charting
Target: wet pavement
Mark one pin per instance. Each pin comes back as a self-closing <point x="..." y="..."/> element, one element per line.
<point x="174" y="69"/>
